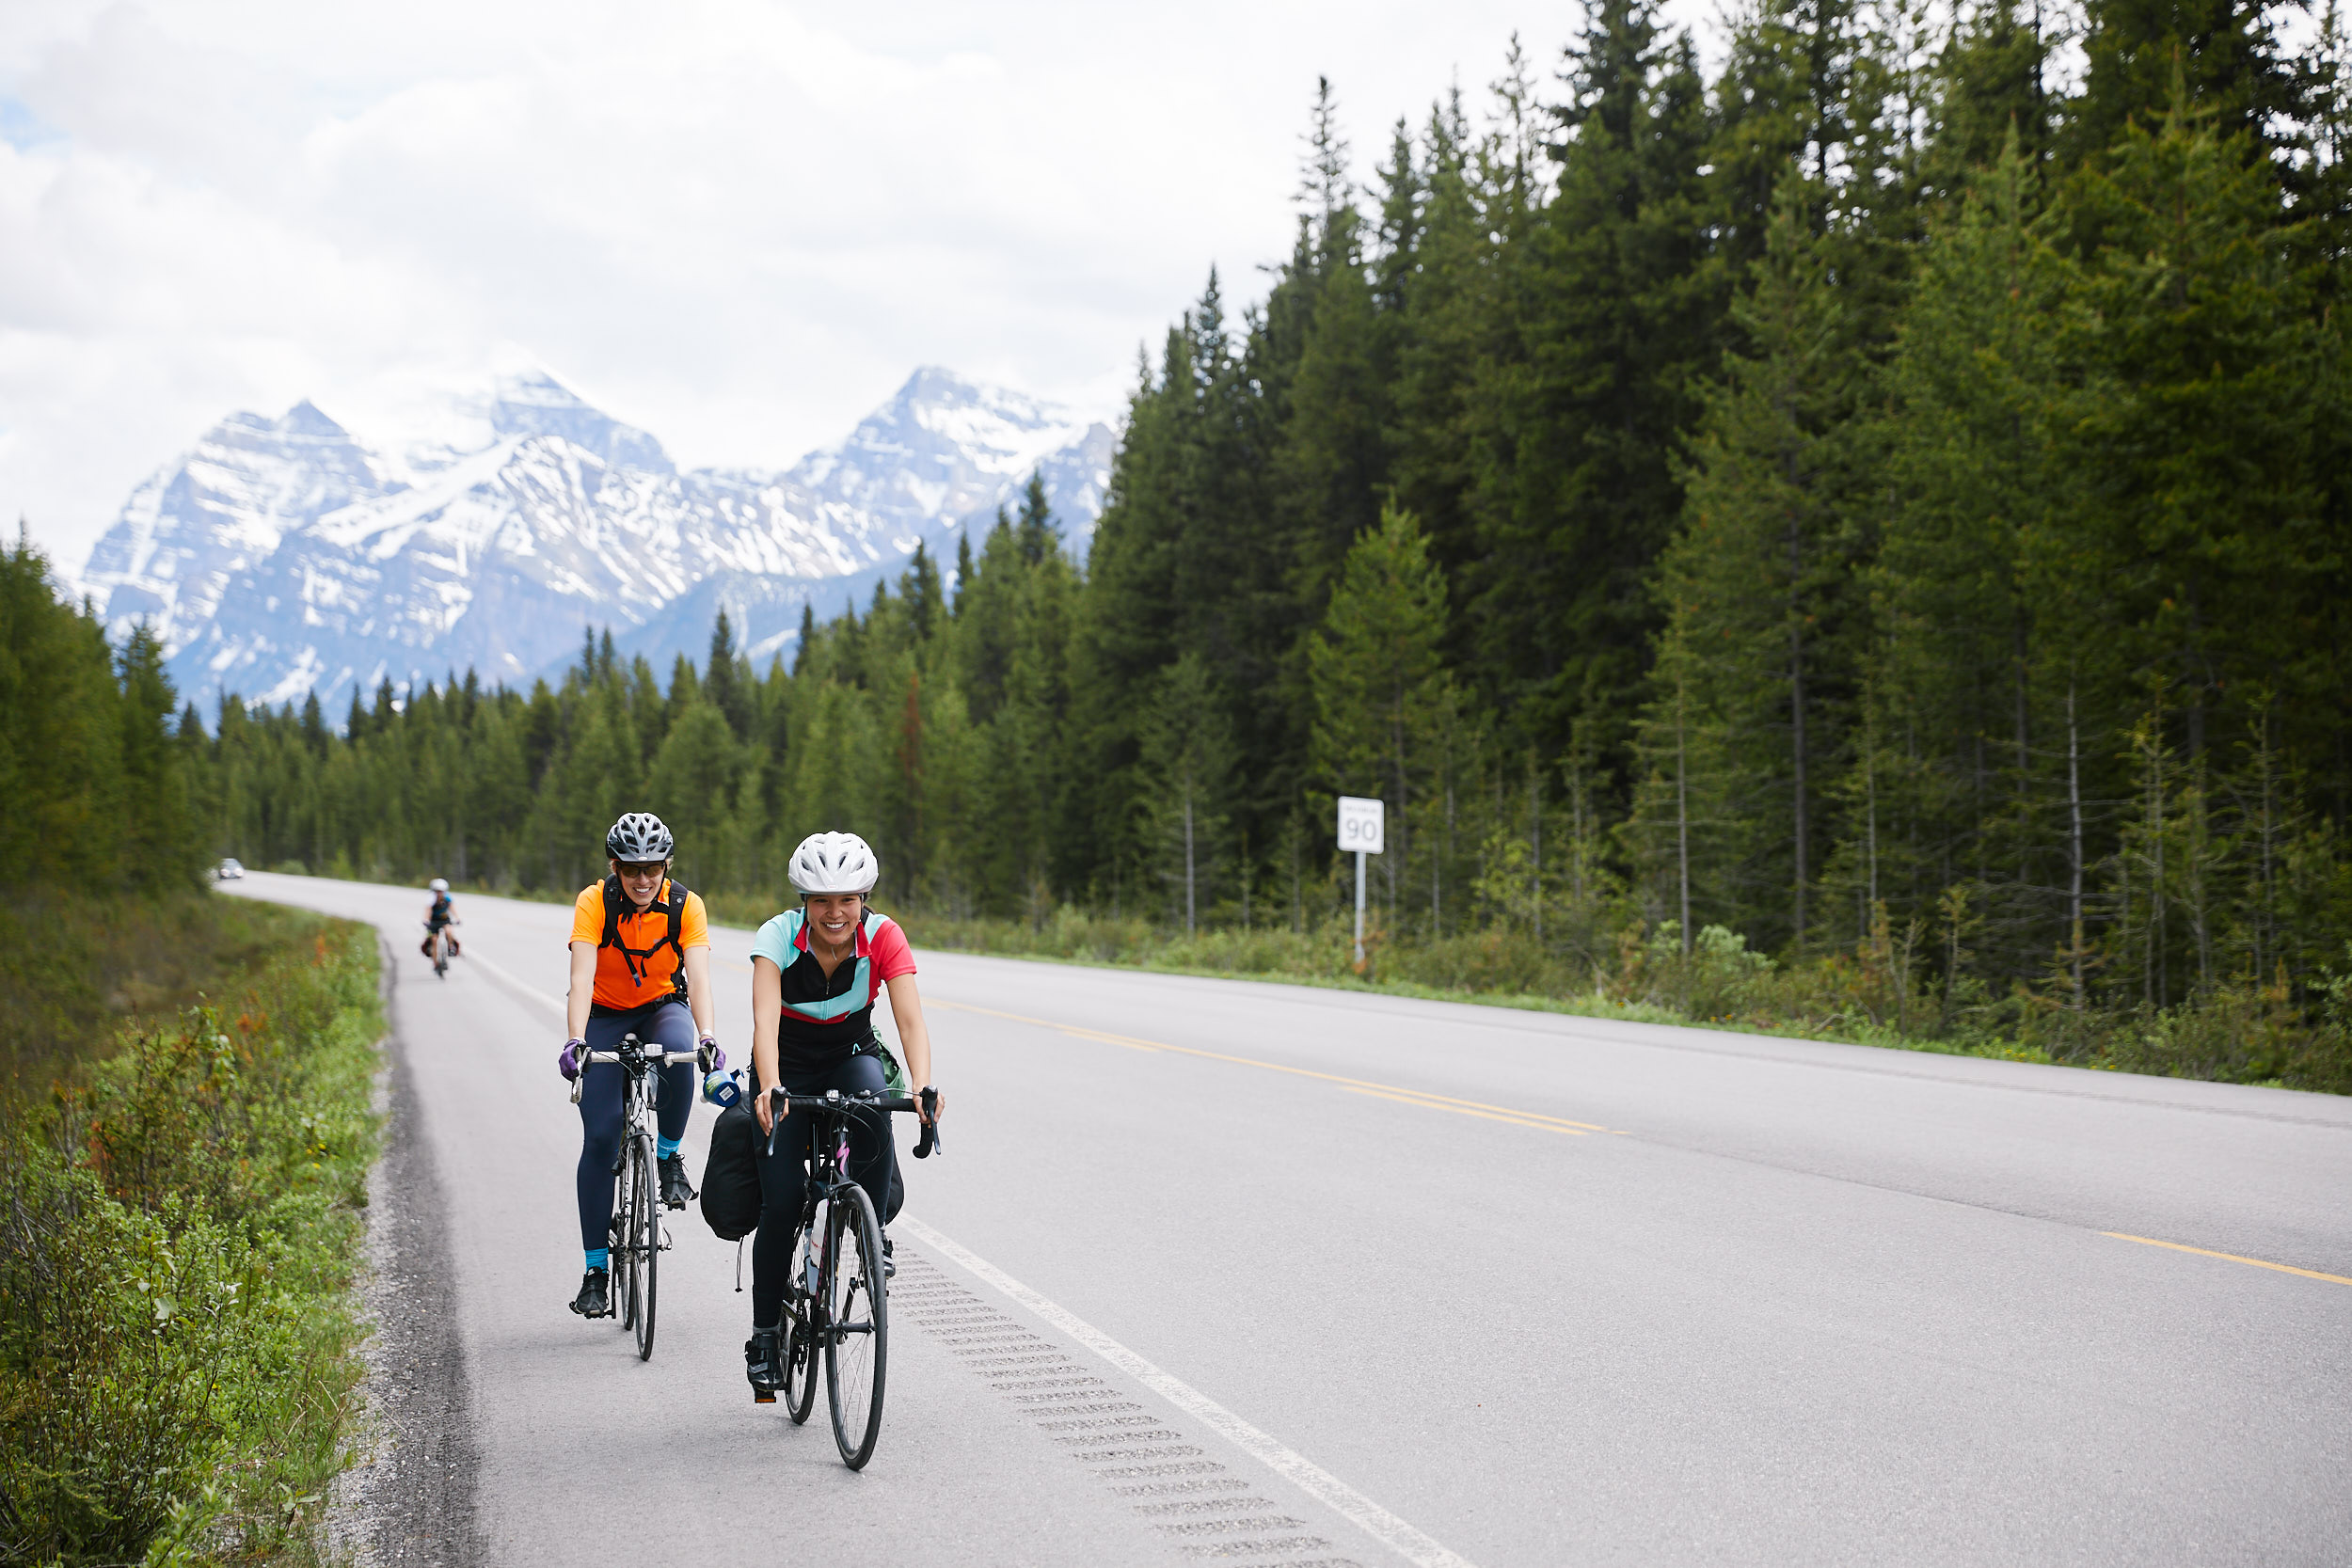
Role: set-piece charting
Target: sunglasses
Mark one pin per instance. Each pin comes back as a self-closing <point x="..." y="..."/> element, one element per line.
<point x="636" y="872"/>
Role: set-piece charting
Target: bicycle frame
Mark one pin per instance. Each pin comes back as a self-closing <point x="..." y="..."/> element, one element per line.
<point x="831" y="1172"/>
<point x="638" y="1234"/>
<point x="821" y="1291"/>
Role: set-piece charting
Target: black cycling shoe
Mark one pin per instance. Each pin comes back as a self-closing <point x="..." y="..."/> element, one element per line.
<point x="763" y="1364"/>
<point x="890" y="1269"/>
<point x="676" y="1192"/>
<point x="596" y="1294"/>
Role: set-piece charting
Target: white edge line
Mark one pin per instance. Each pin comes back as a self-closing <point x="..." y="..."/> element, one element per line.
<point x="522" y="989"/>
<point x="1359" y="1509"/>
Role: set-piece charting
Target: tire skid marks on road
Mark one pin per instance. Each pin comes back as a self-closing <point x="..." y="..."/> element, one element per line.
<point x="1203" y="1510"/>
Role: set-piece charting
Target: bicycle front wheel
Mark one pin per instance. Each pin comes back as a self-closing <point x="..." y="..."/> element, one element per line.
<point x="619" y="1233"/>
<point x="647" y="1245"/>
<point x="856" y="1325"/>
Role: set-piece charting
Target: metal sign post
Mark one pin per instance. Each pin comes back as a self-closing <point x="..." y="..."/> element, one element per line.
<point x="1363" y="827"/>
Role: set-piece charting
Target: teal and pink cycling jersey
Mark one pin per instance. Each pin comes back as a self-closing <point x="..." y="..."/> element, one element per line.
<point x="827" y="1019"/>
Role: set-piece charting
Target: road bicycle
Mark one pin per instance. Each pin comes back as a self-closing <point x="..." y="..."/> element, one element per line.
<point x="437" y="944"/>
<point x="635" y="1232"/>
<point x="836" y="1299"/>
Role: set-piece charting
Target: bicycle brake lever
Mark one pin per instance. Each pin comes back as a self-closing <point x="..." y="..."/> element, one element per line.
<point x="927" y="1145"/>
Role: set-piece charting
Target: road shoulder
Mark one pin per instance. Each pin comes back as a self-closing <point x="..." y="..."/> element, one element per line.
<point x="409" y="1496"/>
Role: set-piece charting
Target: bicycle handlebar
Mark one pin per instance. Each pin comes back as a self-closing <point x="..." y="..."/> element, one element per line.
<point x="781" y="1099"/>
<point x="622" y="1058"/>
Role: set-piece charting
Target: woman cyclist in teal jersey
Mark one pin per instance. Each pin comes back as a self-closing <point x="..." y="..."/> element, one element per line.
<point x="817" y="973"/>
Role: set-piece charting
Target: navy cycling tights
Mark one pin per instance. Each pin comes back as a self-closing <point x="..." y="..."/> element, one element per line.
<point x="784" y="1180"/>
<point x="666" y="1025"/>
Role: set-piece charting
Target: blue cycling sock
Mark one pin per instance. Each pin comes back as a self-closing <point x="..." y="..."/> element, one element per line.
<point x="600" y="1258"/>
<point x="668" y="1146"/>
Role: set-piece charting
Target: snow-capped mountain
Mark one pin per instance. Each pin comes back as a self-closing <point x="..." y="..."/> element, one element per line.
<point x="285" y="556"/>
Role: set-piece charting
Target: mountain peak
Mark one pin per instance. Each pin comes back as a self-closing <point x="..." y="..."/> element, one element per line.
<point x="937" y="384"/>
<point x="426" y="420"/>
<point x="306" y="419"/>
<point x="505" y="511"/>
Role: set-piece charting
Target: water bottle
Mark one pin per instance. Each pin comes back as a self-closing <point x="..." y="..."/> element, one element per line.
<point x="721" y="1089"/>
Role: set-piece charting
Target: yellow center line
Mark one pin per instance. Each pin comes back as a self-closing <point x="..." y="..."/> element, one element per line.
<point x="1428" y="1104"/>
<point x="1435" y="1102"/>
<point x="1107" y="1039"/>
<point x="2229" y="1256"/>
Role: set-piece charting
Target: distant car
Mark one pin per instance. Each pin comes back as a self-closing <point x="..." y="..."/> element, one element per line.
<point x="228" y="870"/>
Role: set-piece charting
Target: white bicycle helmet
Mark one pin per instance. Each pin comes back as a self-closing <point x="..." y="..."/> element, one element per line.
<point x="639" y="835"/>
<point x="835" y="862"/>
<point x="439" y="884"/>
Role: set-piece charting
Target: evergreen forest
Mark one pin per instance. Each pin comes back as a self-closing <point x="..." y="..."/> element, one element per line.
<point x="1857" y="537"/>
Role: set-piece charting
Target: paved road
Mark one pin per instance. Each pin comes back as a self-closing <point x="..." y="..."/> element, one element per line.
<point x="1232" y="1271"/>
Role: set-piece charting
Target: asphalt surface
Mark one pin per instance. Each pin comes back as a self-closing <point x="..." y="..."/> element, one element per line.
<point x="1206" y="1273"/>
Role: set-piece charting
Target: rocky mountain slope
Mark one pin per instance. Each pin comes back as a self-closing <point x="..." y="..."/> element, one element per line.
<point x="284" y="556"/>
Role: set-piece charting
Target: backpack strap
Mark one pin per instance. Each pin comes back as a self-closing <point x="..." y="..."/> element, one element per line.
<point x="674" y="911"/>
<point x="677" y="924"/>
<point x="614" y="904"/>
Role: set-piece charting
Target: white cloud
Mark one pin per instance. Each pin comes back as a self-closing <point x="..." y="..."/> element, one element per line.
<point x="736" y="223"/>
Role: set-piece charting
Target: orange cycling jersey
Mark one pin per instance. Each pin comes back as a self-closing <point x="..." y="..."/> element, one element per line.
<point x="644" y="966"/>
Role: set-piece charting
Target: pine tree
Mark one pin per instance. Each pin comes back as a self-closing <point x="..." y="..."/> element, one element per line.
<point x="2221" y="56"/>
<point x="806" y="639"/>
<point x="725" y="682"/>
<point x="1383" y="698"/>
<point x="1578" y="497"/>
<point x="1188" y="758"/>
<point x="1765" y="565"/>
<point x="1986" y="635"/>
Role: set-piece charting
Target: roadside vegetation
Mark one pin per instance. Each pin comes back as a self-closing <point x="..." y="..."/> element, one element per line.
<point x="1878" y="994"/>
<point x="186" y="1132"/>
<point x="1852" y="537"/>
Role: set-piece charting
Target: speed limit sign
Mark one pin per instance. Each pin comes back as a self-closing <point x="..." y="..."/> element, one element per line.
<point x="1363" y="825"/>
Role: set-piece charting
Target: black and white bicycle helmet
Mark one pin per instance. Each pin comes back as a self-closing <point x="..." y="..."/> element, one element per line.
<point x="439" y="884"/>
<point x="835" y="862"/>
<point x="639" y="835"/>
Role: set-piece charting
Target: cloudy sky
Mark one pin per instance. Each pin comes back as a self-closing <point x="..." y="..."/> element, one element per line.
<point x="738" y="223"/>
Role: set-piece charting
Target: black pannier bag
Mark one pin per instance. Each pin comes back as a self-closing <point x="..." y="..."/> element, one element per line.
<point x="731" y="1178"/>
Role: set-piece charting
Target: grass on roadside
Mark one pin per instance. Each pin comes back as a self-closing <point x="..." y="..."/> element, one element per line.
<point x="75" y="968"/>
<point x="181" y="1219"/>
<point x="2242" y="1030"/>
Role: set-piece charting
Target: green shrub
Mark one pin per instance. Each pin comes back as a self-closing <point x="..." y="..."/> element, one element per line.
<point x="75" y="967"/>
<point x="1874" y="996"/>
<point x="177" y="1237"/>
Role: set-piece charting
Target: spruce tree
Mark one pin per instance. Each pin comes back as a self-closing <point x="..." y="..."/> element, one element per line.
<point x="1764" y="566"/>
<point x="1383" y="697"/>
<point x="725" y="683"/>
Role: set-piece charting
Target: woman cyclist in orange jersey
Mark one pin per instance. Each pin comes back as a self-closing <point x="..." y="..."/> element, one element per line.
<point x="640" y="964"/>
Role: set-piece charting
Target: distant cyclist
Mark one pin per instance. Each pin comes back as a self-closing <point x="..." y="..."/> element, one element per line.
<point x="640" y="964"/>
<point x="817" y="972"/>
<point x="439" y="917"/>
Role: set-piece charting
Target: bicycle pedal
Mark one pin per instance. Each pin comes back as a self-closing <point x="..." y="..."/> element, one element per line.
<point x="763" y="1396"/>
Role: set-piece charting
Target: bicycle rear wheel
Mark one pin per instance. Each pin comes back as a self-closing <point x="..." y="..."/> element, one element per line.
<point x="645" y="1244"/>
<point x="801" y="1317"/>
<point x="856" y="1325"/>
